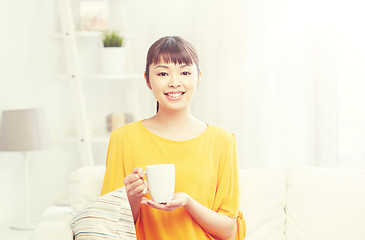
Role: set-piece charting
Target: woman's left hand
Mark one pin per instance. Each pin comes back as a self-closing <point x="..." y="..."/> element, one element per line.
<point x="178" y="200"/>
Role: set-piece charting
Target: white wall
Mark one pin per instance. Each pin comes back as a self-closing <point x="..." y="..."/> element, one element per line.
<point x="285" y="77"/>
<point x="29" y="58"/>
<point x="25" y="64"/>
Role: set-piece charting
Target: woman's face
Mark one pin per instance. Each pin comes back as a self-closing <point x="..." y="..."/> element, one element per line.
<point x="173" y="85"/>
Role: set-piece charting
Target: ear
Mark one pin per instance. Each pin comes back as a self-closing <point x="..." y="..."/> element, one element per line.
<point x="147" y="81"/>
<point x="199" y="77"/>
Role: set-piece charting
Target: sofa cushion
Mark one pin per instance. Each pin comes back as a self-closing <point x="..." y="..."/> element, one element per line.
<point x="325" y="203"/>
<point x="85" y="186"/>
<point x="54" y="224"/>
<point x="263" y="197"/>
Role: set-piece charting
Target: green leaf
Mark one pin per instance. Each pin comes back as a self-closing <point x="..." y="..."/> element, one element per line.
<point x="112" y="39"/>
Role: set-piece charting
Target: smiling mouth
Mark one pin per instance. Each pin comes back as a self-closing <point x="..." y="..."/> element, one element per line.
<point x="175" y="95"/>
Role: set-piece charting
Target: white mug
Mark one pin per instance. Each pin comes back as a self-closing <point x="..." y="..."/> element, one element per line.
<point x="161" y="182"/>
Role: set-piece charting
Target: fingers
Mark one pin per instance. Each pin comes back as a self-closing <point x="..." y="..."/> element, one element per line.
<point x="136" y="174"/>
<point x="175" y="203"/>
<point x="139" y="172"/>
<point x="179" y="200"/>
<point x="135" y="184"/>
<point x="156" y="205"/>
<point x="170" y="206"/>
<point x="145" y="191"/>
<point x="144" y="200"/>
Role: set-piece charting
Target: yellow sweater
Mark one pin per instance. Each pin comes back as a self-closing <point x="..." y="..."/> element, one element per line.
<point x="206" y="169"/>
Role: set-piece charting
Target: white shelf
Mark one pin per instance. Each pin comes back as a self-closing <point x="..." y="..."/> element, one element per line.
<point x="71" y="38"/>
<point x="101" y="139"/>
<point x="129" y="76"/>
<point x="79" y="34"/>
<point x="86" y="34"/>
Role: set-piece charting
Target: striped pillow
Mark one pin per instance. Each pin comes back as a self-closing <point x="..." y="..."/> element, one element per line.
<point x="108" y="217"/>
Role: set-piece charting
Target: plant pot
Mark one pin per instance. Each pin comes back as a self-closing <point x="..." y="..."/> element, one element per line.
<point x="112" y="60"/>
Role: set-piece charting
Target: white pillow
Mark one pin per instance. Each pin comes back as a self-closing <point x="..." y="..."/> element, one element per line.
<point x="263" y="197"/>
<point x="85" y="186"/>
<point x="325" y="203"/>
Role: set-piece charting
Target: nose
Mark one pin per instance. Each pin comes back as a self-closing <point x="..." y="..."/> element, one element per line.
<point x="174" y="81"/>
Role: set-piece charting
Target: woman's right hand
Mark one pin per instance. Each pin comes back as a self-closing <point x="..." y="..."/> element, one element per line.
<point x="136" y="188"/>
<point x="135" y="185"/>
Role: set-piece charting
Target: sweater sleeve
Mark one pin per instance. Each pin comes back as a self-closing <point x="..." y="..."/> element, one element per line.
<point x="114" y="170"/>
<point x="227" y="194"/>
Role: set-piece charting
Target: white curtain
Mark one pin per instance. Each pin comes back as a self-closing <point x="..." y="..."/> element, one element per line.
<point x="270" y="75"/>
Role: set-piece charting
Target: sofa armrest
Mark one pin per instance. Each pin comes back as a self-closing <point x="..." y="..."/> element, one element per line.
<point x="54" y="224"/>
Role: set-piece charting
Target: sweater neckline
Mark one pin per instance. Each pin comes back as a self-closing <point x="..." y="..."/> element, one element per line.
<point x="174" y="141"/>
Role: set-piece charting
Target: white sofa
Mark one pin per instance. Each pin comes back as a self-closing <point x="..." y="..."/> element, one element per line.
<point x="296" y="203"/>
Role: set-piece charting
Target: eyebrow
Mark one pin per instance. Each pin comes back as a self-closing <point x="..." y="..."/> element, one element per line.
<point x="163" y="66"/>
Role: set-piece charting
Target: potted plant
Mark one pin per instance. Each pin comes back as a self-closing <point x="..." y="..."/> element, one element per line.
<point x="112" y="53"/>
<point x="112" y="39"/>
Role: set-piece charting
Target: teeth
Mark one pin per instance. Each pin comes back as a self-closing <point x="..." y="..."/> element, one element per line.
<point x="175" y="95"/>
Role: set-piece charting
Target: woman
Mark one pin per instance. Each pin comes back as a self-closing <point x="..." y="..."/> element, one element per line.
<point x="206" y="202"/>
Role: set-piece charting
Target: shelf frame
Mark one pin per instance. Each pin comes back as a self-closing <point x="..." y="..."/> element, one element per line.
<point x="74" y="76"/>
<point x="109" y="77"/>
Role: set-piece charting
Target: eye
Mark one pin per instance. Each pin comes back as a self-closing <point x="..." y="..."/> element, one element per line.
<point x="162" y="74"/>
<point x="185" y="73"/>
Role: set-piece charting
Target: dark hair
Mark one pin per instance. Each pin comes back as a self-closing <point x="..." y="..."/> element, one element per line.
<point x="171" y="49"/>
